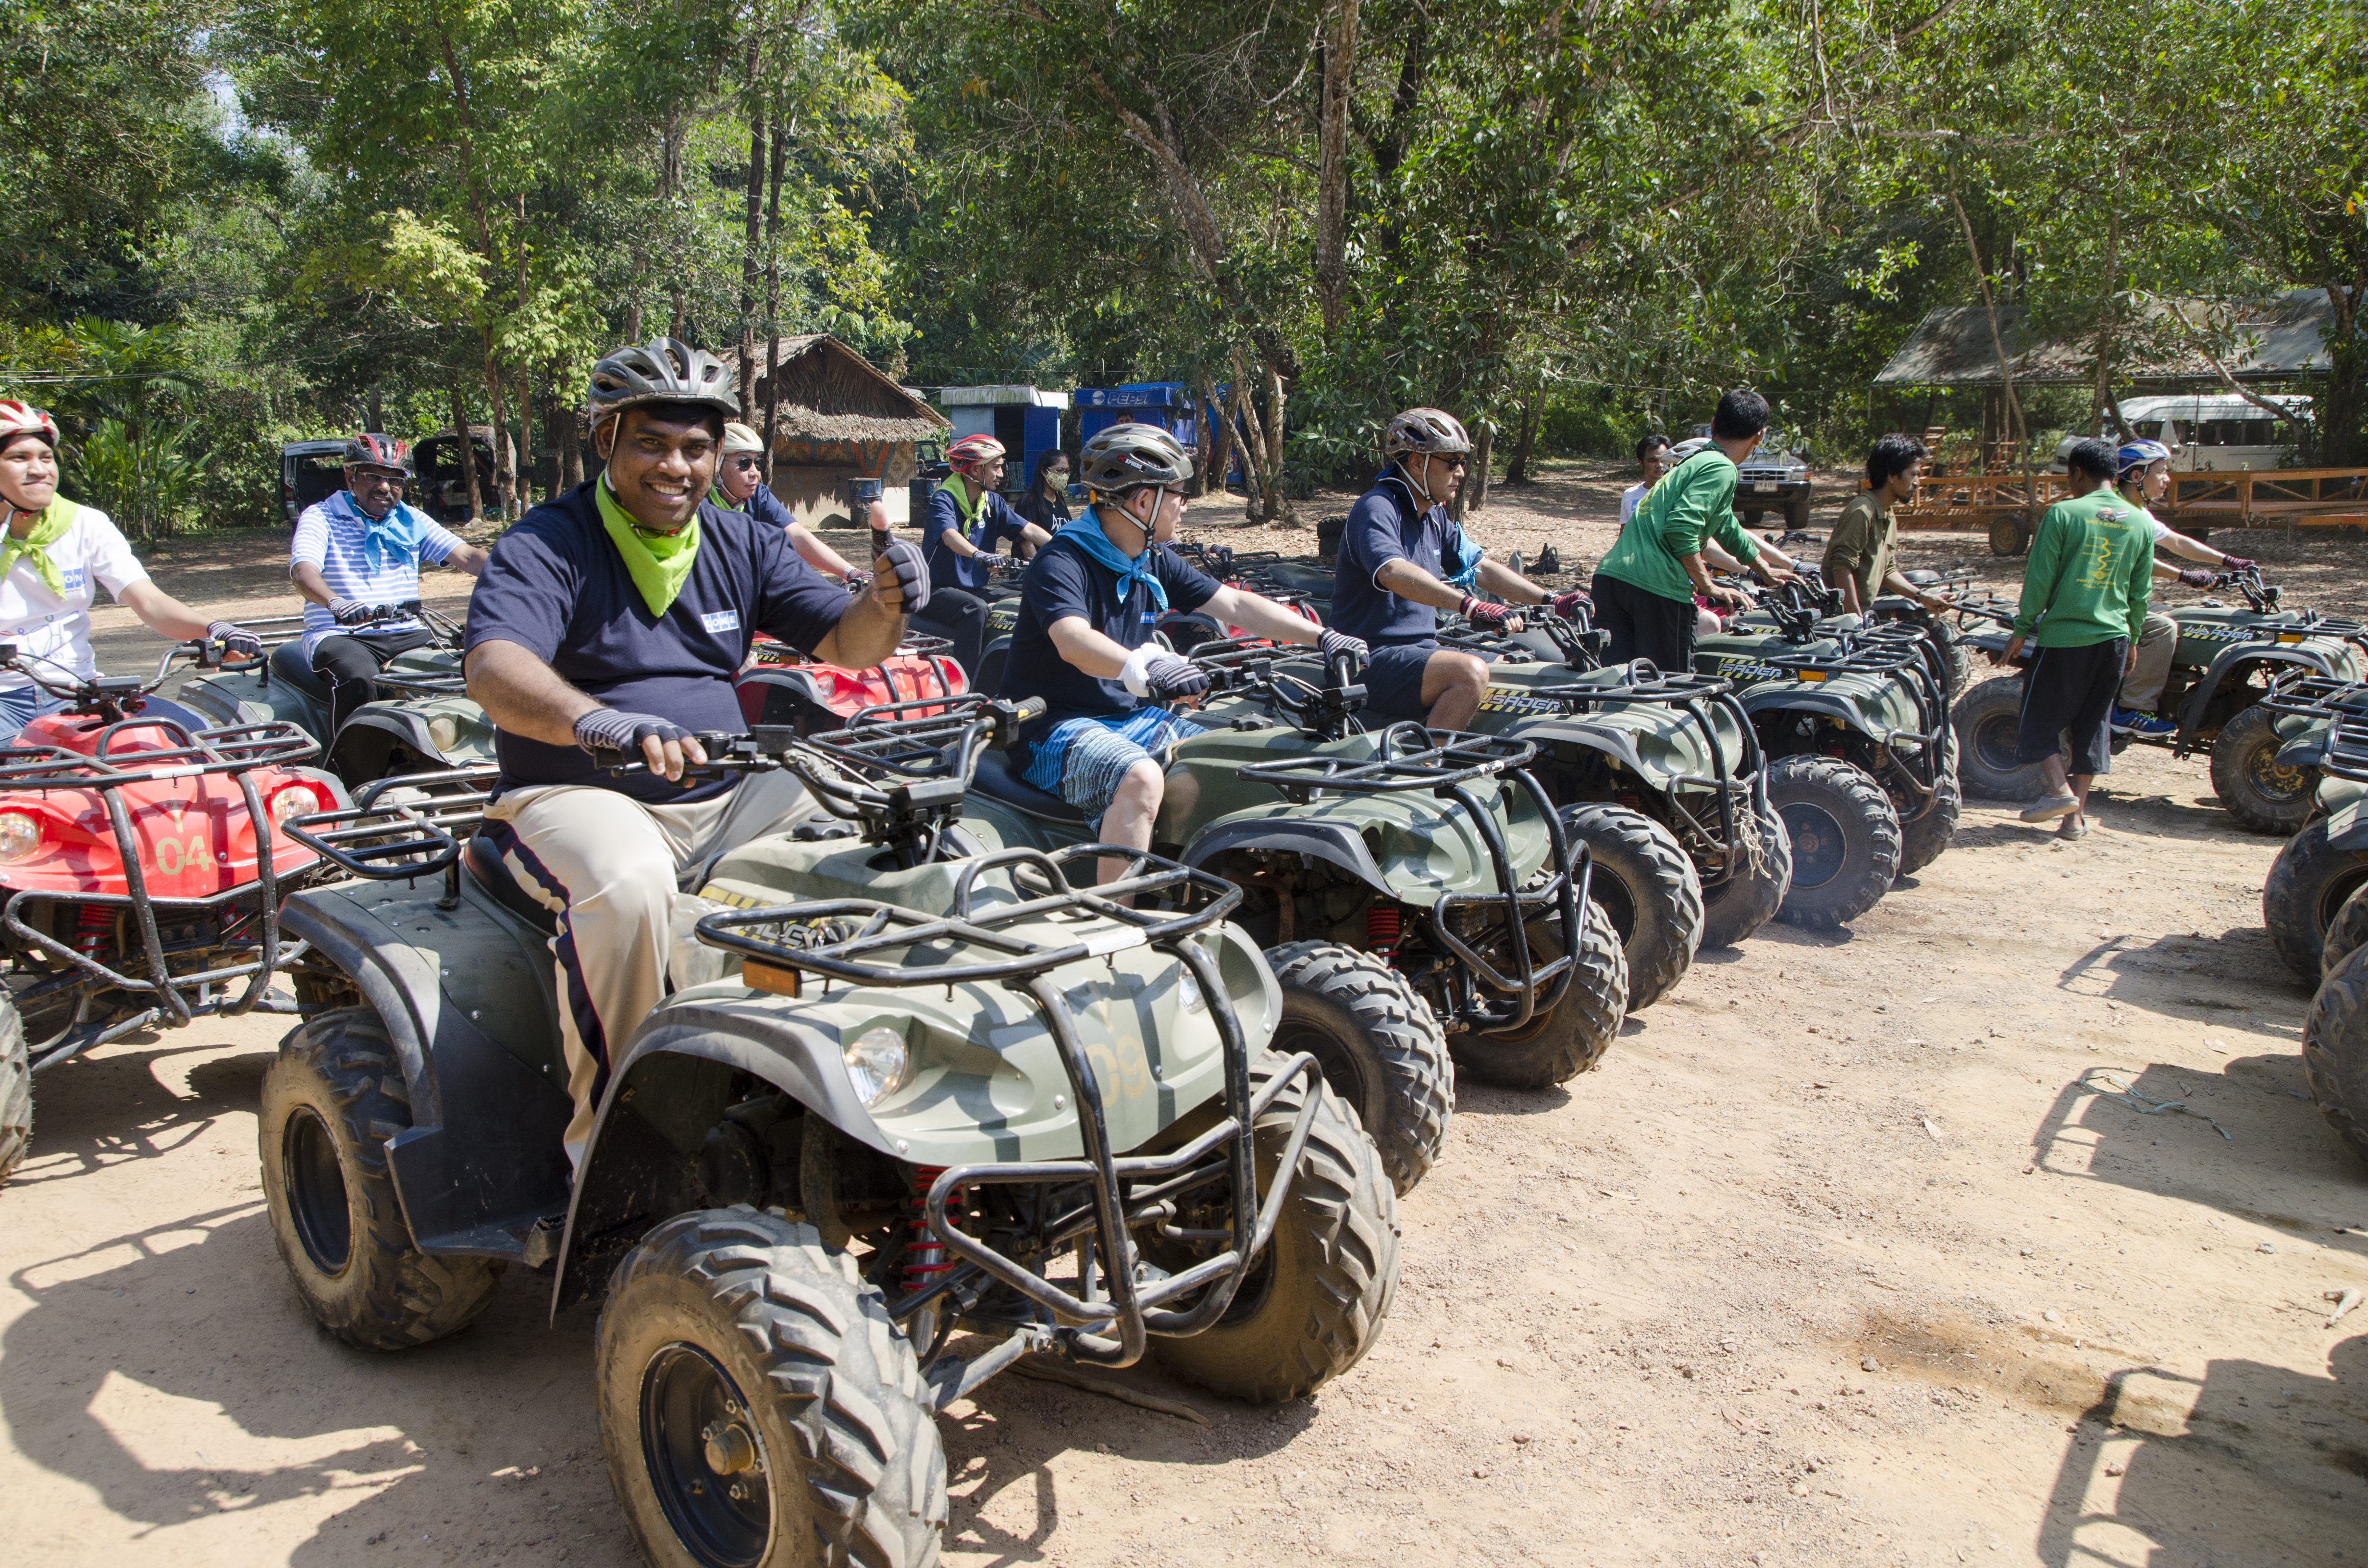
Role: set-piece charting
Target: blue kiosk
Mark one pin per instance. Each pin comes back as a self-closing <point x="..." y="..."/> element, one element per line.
<point x="1027" y="423"/>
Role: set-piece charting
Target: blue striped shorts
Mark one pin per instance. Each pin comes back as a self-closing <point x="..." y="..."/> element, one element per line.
<point x="1083" y="760"/>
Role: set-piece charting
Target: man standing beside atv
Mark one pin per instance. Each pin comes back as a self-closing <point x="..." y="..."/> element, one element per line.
<point x="1645" y="585"/>
<point x="1083" y="641"/>
<point x="54" y="556"/>
<point x="354" y="556"/>
<point x="1863" y="550"/>
<point x="968" y="520"/>
<point x="2144" y="469"/>
<point x="1402" y="560"/>
<point x="606" y="628"/>
<point x="2084" y="588"/>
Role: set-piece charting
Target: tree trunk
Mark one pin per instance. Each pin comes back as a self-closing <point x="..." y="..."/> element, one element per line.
<point x="1475" y="478"/>
<point x="505" y="463"/>
<point x="563" y="440"/>
<point x="773" y="296"/>
<point x="529" y="459"/>
<point x="2104" y="399"/>
<point x="753" y="213"/>
<point x="377" y="414"/>
<point x="468" y="453"/>
<point x="1332" y="169"/>
<point x="1220" y="425"/>
<point x="1998" y="342"/>
<point x="1524" y="443"/>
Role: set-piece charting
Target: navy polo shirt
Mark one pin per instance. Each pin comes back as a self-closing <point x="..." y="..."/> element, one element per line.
<point x="1383" y="526"/>
<point x="1064" y="581"/>
<point x="994" y="522"/>
<point x="556" y="586"/>
<point x="767" y="509"/>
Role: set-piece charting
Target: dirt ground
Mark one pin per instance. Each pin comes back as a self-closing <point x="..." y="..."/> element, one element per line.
<point x="1847" y="1255"/>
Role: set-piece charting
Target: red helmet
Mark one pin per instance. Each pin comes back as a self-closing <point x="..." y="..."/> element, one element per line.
<point x="370" y="450"/>
<point x="973" y="450"/>
<point x="23" y="419"/>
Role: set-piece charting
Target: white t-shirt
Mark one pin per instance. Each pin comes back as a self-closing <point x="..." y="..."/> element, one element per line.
<point x="1628" y="499"/>
<point x="91" y="554"/>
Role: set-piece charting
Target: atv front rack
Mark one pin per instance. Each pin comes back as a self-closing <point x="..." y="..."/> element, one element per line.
<point x="233" y="751"/>
<point x="2347" y="750"/>
<point x="876" y="945"/>
<point x="2305" y="695"/>
<point x="1444" y="764"/>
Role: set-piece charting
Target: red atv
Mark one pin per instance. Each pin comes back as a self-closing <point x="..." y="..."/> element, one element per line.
<point x="780" y="686"/>
<point x="139" y="869"/>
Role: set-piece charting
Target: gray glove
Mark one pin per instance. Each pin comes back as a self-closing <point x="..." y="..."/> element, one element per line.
<point x="2196" y="576"/>
<point x="1170" y="676"/>
<point x="1331" y="644"/>
<point x="242" y="643"/>
<point x="351" y="612"/>
<point x="612" y="729"/>
<point x="900" y="559"/>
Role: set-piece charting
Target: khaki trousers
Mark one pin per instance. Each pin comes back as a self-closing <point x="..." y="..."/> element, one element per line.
<point x="2160" y="641"/>
<point x="611" y="867"/>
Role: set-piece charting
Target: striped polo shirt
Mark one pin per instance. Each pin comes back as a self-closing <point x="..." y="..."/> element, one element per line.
<point x="331" y="535"/>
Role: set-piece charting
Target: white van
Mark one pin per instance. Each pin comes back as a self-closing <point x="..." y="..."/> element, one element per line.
<point x="2210" y="431"/>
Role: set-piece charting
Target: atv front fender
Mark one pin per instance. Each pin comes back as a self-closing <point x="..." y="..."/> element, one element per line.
<point x="2239" y="657"/>
<point x="1407" y="846"/>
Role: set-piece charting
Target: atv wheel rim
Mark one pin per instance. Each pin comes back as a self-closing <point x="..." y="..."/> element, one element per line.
<point x="2283" y="785"/>
<point x="1340" y="1068"/>
<point x="316" y="1191"/>
<point x="1819" y="850"/>
<point x="705" y="1458"/>
<point x="1993" y="742"/>
<point x="1616" y="899"/>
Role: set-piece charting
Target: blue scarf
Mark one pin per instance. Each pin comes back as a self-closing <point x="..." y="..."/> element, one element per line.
<point x="395" y="535"/>
<point x="1468" y="555"/>
<point x="1086" y="530"/>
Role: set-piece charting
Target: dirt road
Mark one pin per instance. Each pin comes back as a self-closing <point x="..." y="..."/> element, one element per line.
<point x="1844" y="1256"/>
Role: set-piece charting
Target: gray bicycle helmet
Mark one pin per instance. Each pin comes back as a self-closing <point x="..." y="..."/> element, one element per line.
<point x="667" y="370"/>
<point x="1128" y="457"/>
<point x="1420" y="431"/>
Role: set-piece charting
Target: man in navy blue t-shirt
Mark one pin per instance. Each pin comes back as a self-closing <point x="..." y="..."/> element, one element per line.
<point x="1083" y="641"/>
<point x="608" y="624"/>
<point x="1402" y="560"/>
<point x="965" y="527"/>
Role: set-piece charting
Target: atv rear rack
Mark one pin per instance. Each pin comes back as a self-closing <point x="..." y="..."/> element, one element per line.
<point x="2347" y="750"/>
<point x="398" y="841"/>
<point x="862" y="943"/>
<point x="1444" y="764"/>
<point x="2305" y="695"/>
<point x="233" y="751"/>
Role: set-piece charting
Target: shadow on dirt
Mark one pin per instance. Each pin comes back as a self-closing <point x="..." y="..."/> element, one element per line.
<point x="118" y="1103"/>
<point x="2234" y="978"/>
<point x="2168" y="1469"/>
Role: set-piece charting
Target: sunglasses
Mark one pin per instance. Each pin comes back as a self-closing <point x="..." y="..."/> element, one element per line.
<point x="744" y="463"/>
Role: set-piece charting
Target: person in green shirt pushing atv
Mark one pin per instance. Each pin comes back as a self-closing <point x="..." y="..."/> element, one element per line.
<point x="2084" y="590"/>
<point x="1646" y="584"/>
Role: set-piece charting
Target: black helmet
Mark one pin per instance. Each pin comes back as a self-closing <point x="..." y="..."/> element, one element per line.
<point x="668" y="370"/>
<point x="1424" y="430"/>
<point x="370" y="450"/>
<point x="1128" y="457"/>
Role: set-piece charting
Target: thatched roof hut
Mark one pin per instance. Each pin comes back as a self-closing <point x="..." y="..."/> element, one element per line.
<point x="840" y="418"/>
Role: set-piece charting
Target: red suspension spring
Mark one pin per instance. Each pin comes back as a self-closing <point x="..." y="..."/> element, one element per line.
<point x="925" y="1256"/>
<point x="1382" y="929"/>
<point x="96" y="924"/>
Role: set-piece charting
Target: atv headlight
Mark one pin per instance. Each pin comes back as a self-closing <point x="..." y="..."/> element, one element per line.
<point x="296" y="800"/>
<point x="876" y="1063"/>
<point x="443" y="731"/>
<point x="19" y="836"/>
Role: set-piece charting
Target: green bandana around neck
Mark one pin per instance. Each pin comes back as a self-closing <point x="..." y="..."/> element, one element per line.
<point x="34" y="547"/>
<point x="659" y="563"/>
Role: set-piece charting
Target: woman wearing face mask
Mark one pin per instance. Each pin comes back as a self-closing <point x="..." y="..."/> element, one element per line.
<point x="740" y="488"/>
<point x="1046" y="504"/>
<point x="54" y="555"/>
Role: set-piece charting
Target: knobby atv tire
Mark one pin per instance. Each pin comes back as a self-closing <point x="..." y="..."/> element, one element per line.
<point x="1749" y="899"/>
<point x="332" y="1098"/>
<point x="1985" y="720"/>
<point x="2309" y="882"/>
<point x="1922" y="840"/>
<point x="2246" y="776"/>
<point x="1313" y="1302"/>
<point x="2335" y="1051"/>
<point x="15" y="1090"/>
<point x="1379" y="1046"/>
<point x="2346" y="932"/>
<point x="1557" y="1046"/>
<point x="1845" y="838"/>
<point x="853" y="1469"/>
<point x="1647" y="889"/>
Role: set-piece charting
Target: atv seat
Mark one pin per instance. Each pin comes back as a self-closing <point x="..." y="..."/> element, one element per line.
<point x="290" y="664"/>
<point x="997" y="778"/>
<point x="1299" y="577"/>
<point x="482" y="861"/>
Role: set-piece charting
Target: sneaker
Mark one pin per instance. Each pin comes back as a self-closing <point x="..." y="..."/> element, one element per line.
<point x="2050" y="808"/>
<point x="2130" y="722"/>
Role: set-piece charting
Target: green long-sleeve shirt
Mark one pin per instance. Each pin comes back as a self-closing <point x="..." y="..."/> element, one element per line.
<point x="2091" y="570"/>
<point x="1694" y="499"/>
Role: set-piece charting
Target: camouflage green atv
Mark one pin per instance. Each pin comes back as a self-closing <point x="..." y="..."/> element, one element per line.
<point x="2220" y="671"/>
<point x="1392" y="864"/>
<point x="426" y="723"/>
<point x="1854" y="719"/>
<point x="2307" y="902"/>
<point x="918" y="1105"/>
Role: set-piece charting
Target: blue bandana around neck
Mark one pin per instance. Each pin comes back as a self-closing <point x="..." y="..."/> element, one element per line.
<point x="1468" y="555"/>
<point x="1086" y="530"/>
<point x="395" y="535"/>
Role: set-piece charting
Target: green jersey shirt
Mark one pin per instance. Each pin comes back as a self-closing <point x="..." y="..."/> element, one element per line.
<point x="2090" y="572"/>
<point x="1693" y="500"/>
